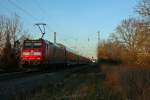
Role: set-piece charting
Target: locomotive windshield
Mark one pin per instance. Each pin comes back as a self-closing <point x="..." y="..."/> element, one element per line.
<point x="31" y="44"/>
<point x="37" y="45"/>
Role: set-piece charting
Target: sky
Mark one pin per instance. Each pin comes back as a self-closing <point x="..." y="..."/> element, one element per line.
<point x="75" y="21"/>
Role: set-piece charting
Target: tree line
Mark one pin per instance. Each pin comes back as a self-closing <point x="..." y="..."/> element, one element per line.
<point x="130" y="43"/>
<point x="11" y="35"/>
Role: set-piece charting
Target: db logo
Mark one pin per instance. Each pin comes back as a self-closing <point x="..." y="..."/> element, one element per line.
<point x="32" y="53"/>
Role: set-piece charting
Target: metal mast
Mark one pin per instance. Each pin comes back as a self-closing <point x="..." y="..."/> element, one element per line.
<point x="98" y="37"/>
<point x="55" y="37"/>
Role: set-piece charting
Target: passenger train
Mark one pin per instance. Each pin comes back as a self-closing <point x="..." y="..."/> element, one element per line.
<point x="43" y="52"/>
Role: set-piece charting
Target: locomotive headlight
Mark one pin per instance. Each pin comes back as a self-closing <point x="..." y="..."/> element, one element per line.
<point x="26" y="53"/>
<point x="37" y="53"/>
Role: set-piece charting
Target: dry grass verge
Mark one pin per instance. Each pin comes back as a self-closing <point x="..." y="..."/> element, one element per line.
<point x="132" y="82"/>
<point x="88" y="84"/>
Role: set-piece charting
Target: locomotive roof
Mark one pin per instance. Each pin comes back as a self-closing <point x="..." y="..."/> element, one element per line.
<point x="59" y="45"/>
<point x="63" y="46"/>
<point x="34" y="40"/>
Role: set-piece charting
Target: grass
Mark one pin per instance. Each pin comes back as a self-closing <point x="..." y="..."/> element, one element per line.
<point x="88" y="84"/>
<point x="105" y="82"/>
<point x="130" y="81"/>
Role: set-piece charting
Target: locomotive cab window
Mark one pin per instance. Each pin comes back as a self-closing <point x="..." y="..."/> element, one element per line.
<point x="32" y="45"/>
<point x="37" y="45"/>
<point x="27" y="45"/>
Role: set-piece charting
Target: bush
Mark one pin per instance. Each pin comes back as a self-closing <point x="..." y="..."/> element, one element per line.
<point x="111" y="52"/>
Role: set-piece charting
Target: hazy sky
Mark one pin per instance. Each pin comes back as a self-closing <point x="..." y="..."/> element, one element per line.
<point x="75" y="21"/>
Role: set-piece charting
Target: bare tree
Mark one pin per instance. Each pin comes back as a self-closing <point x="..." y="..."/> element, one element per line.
<point x="11" y="26"/>
<point x="10" y="29"/>
<point x="15" y="28"/>
<point x="132" y="33"/>
<point x="143" y="8"/>
<point x="2" y="30"/>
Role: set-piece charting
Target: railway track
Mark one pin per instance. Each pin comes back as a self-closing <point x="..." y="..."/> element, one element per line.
<point x="25" y="83"/>
<point x="26" y="73"/>
<point x="16" y="75"/>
